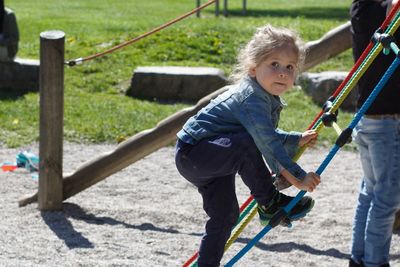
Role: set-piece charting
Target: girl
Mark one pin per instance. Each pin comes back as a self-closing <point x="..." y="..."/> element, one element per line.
<point x="236" y="130"/>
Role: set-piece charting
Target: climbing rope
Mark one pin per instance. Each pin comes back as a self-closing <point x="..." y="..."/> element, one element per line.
<point x="78" y="61"/>
<point x="377" y="48"/>
<point x="351" y="77"/>
<point x="365" y="60"/>
<point x="383" y="27"/>
<point x="342" y="139"/>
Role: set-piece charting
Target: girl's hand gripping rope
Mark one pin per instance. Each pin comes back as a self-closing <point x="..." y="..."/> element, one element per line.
<point x="308" y="138"/>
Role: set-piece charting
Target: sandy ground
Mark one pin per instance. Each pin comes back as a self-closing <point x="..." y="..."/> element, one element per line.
<point x="147" y="215"/>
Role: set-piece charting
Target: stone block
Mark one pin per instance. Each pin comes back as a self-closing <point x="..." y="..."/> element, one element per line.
<point x="20" y="75"/>
<point x="175" y="83"/>
<point x="320" y="86"/>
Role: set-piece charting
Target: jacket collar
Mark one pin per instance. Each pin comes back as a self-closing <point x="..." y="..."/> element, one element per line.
<point x="276" y="100"/>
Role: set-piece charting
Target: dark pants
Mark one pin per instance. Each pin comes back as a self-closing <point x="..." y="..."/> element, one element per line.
<point x="211" y="165"/>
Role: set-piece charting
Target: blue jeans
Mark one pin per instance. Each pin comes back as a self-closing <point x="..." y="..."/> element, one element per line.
<point x="378" y="141"/>
<point x="211" y="165"/>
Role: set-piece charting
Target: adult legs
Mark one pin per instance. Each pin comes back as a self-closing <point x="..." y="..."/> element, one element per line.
<point x="379" y="145"/>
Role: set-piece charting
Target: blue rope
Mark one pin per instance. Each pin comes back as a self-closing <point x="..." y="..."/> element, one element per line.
<point x="389" y="72"/>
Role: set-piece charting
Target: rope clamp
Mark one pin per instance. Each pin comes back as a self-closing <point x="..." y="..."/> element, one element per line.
<point x="344" y="137"/>
<point x="375" y="36"/>
<point x="329" y="118"/>
<point x="384" y="39"/>
<point x="74" y="62"/>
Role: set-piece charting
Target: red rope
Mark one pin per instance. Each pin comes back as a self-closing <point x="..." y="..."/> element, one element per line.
<point x="163" y="26"/>
<point x="189" y="261"/>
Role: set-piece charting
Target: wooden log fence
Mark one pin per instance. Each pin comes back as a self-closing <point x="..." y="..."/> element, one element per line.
<point x="328" y="46"/>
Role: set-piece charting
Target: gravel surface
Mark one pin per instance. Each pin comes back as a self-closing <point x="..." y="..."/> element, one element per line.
<point x="147" y="215"/>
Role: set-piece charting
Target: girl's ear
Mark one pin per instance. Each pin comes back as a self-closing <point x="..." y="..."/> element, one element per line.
<point x="252" y="72"/>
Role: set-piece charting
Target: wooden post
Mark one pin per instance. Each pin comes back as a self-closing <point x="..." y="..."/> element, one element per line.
<point x="198" y="11"/>
<point x="225" y="8"/>
<point x="217" y="8"/>
<point x="50" y="194"/>
<point x="244" y="11"/>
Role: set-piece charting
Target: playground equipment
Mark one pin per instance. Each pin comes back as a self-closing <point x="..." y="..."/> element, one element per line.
<point x="134" y="148"/>
<point x="54" y="188"/>
<point x="326" y="117"/>
<point x="346" y="134"/>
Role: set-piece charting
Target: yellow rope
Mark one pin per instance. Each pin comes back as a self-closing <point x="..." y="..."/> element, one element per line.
<point x="240" y="227"/>
<point x="336" y="128"/>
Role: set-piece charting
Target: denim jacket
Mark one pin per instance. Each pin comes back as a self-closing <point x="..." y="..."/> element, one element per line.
<point x="247" y="107"/>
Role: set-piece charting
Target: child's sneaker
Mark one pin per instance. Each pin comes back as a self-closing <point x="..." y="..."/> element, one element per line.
<point x="280" y="201"/>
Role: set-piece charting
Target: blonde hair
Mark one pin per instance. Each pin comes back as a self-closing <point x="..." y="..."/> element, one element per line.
<point x="264" y="42"/>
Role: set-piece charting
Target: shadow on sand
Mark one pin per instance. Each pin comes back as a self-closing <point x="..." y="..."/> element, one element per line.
<point x="59" y="222"/>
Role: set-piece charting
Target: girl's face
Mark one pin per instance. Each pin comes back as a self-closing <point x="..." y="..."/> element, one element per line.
<point x="276" y="74"/>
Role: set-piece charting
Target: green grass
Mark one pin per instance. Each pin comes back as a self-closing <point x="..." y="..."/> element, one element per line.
<point x="95" y="108"/>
